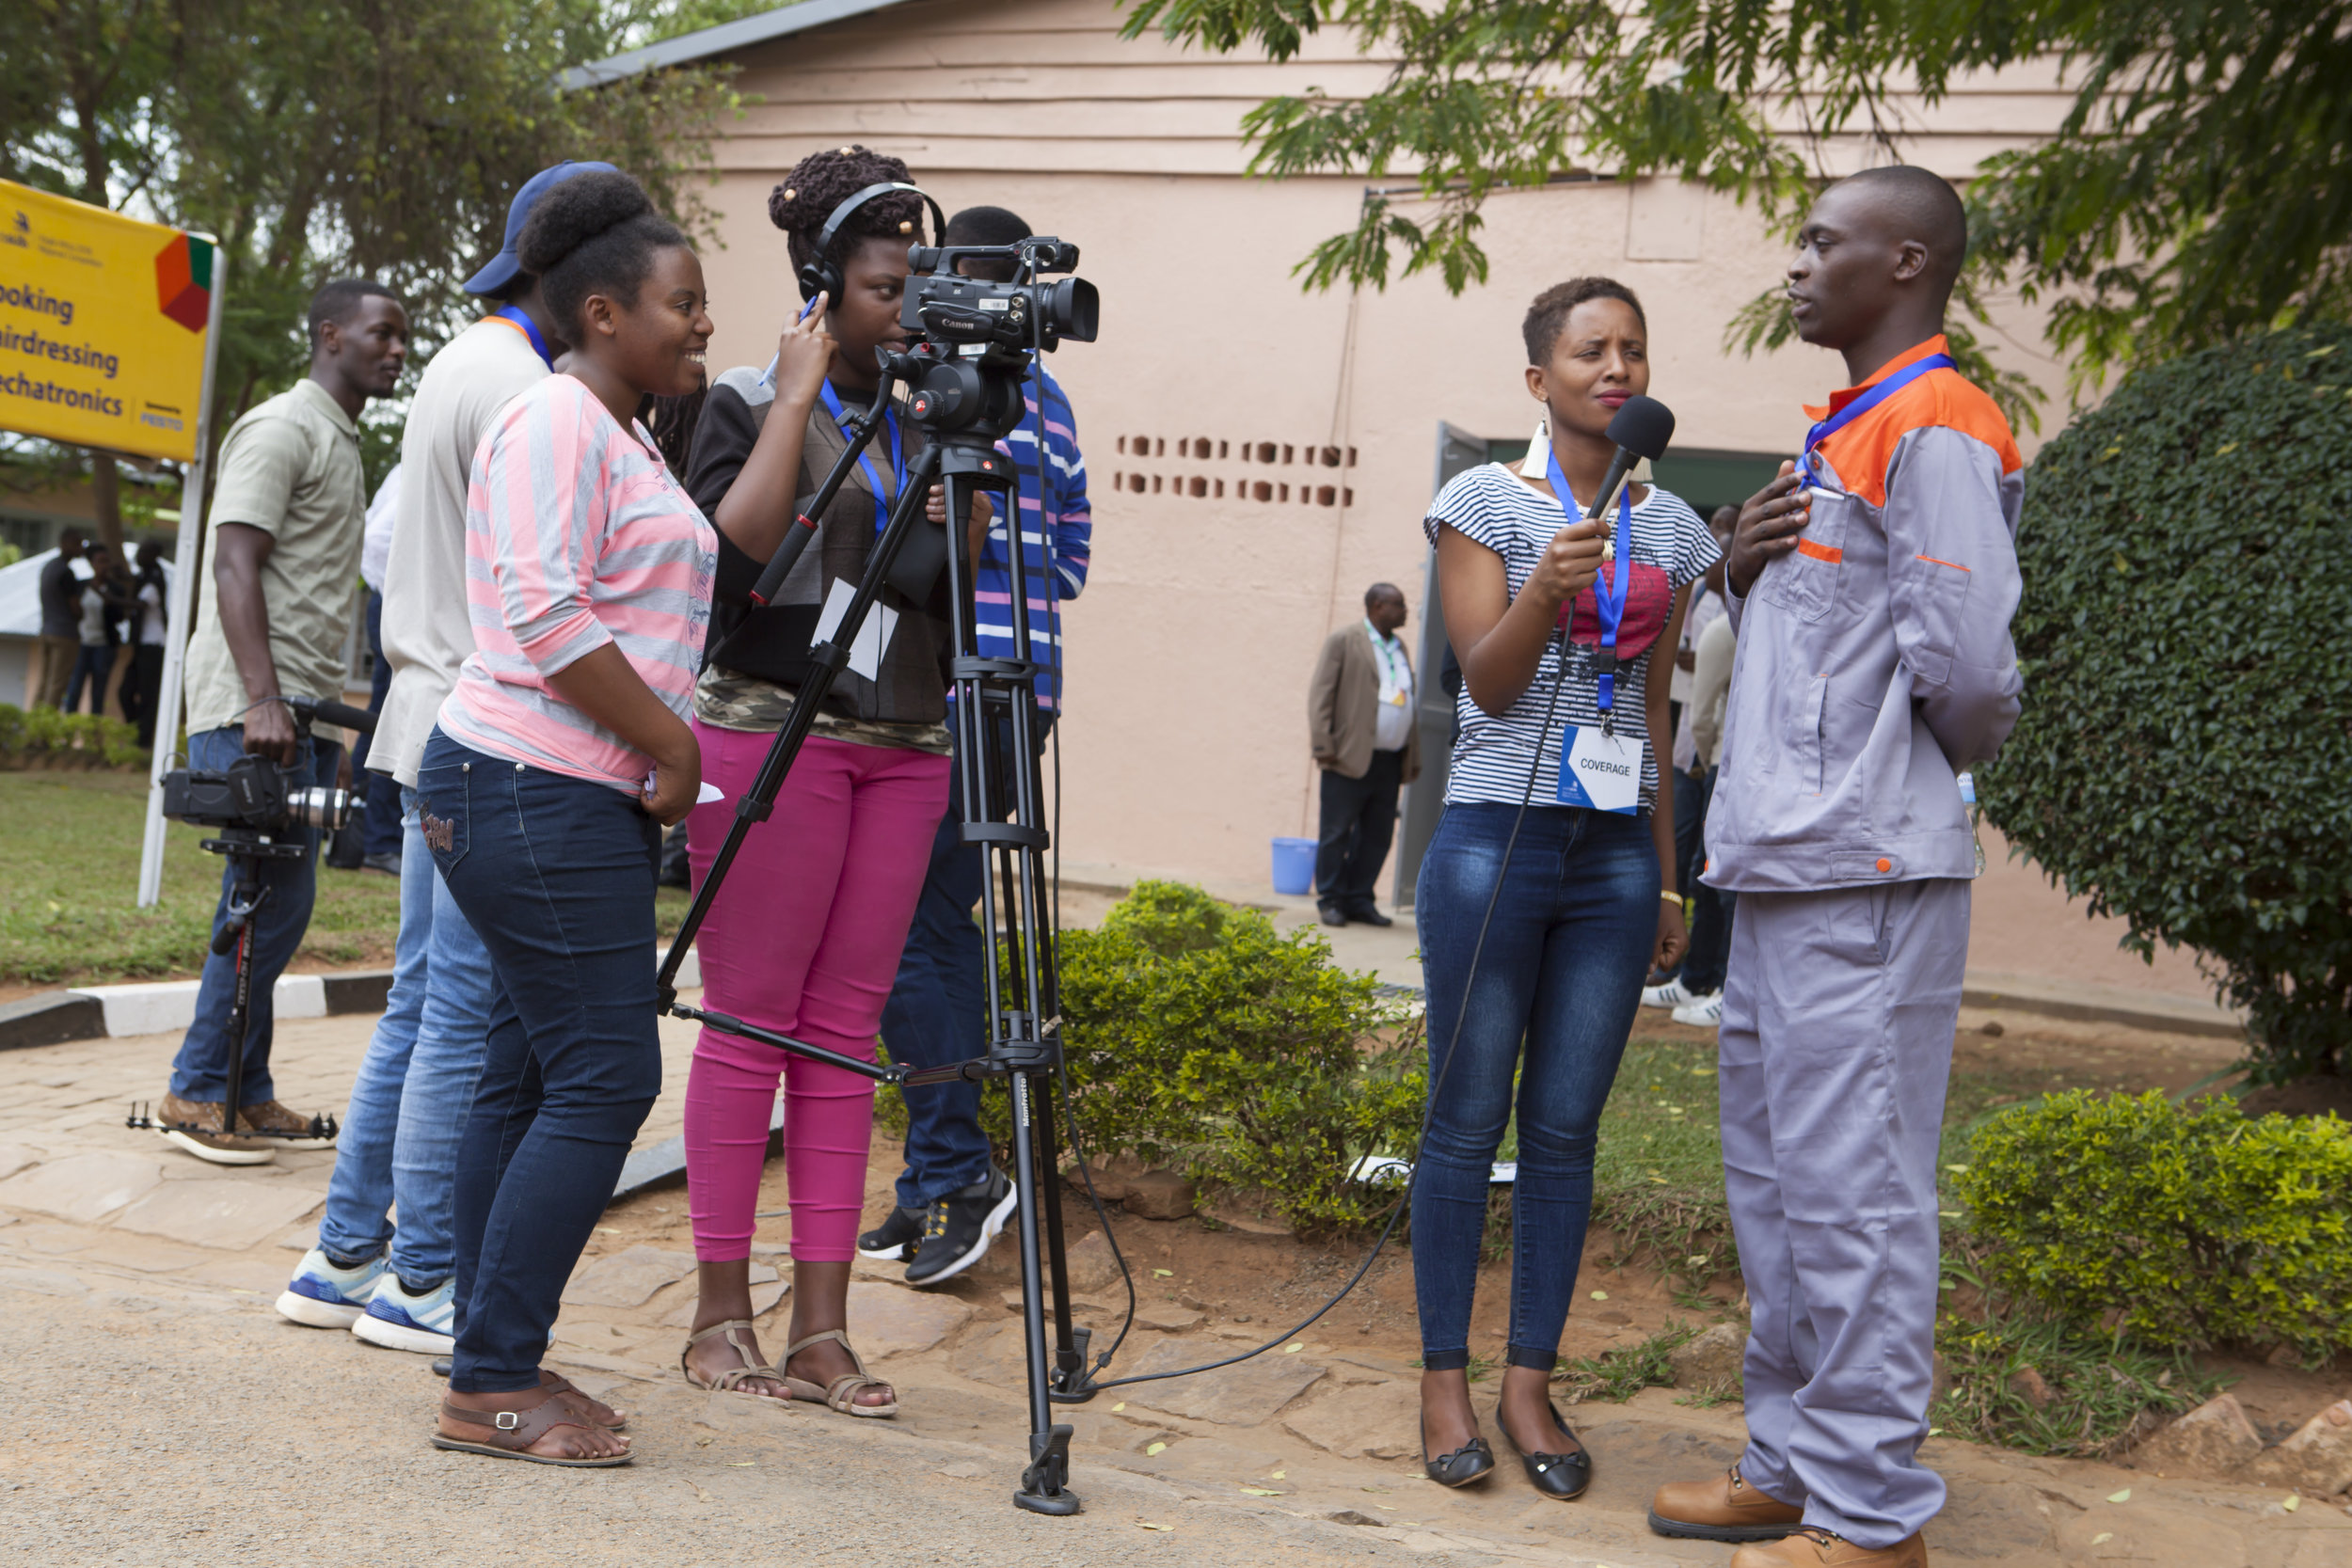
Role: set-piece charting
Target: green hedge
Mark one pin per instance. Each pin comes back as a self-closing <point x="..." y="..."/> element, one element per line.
<point x="2184" y="1226"/>
<point x="2182" y="755"/>
<point x="44" y="737"/>
<point x="1199" y="1038"/>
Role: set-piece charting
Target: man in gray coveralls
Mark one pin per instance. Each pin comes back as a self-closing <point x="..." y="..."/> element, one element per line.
<point x="1871" y="586"/>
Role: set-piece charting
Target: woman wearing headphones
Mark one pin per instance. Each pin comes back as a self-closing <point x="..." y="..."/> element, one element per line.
<point x="1562" y="937"/>
<point x="805" y="933"/>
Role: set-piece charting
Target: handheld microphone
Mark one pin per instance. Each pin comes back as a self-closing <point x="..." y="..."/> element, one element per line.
<point x="1642" y="429"/>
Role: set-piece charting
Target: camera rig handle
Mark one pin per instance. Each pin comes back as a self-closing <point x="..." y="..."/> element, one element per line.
<point x="308" y="711"/>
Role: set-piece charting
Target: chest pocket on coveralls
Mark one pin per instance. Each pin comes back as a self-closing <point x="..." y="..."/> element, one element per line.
<point x="1804" y="582"/>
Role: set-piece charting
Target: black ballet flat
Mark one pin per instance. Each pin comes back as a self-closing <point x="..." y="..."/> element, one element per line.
<point x="1562" y="1476"/>
<point x="1473" y="1462"/>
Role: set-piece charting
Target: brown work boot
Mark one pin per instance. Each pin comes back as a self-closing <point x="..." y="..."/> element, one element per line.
<point x="1721" y="1508"/>
<point x="1815" y="1547"/>
<point x="195" y="1126"/>
<point x="271" y="1121"/>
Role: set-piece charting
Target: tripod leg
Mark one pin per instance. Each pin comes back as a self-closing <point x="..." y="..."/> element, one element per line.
<point x="1045" y="1484"/>
<point x="826" y="660"/>
<point x="1070" y="1385"/>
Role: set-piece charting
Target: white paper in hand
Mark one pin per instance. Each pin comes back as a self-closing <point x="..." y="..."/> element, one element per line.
<point x="708" y="793"/>
<point x="881" y="621"/>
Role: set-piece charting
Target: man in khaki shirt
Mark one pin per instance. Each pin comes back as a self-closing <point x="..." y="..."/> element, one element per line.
<point x="283" y="546"/>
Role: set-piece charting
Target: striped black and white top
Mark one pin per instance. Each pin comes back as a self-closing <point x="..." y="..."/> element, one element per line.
<point x="1491" y="505"/>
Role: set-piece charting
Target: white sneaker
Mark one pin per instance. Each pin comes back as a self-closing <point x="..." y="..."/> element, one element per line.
<point x="398" y="1321"/>
<point x="1674" y="994"/>
<point x="324" y="1296"/>
<point x="1704" y="1012"/>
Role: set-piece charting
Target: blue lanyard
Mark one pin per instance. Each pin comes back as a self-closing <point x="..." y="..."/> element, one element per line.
<point x="866" y="460"/>
<point x="1864" y="403"/>
<point x="521" y="317"/>
<point x="1608" y="589"/>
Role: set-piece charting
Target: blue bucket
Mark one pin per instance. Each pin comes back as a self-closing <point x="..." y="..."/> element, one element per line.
<point x="1293" y="866"/>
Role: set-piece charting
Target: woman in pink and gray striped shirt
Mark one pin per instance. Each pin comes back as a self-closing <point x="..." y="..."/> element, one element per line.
<point x="560" y="753"/>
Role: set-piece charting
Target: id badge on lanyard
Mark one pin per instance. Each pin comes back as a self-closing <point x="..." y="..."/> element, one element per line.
<point x="1599" y="769"/>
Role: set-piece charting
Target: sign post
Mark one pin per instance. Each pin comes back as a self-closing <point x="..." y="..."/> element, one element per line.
<point x="109" y="331"/>
<point x="182" y="613"/>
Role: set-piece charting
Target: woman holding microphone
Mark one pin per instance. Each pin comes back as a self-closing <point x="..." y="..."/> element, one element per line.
<point x="560" y="753"/>
<point x="805" y="933"/>
<point x="1550" y="949"/>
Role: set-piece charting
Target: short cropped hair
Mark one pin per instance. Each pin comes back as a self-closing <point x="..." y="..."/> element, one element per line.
<point x="986" y="226"/>
<point x="1926" y="207"/>
<point x="339" y="301"/>
<point x="1380" y="591"/>
<point x="1549" y="312"/>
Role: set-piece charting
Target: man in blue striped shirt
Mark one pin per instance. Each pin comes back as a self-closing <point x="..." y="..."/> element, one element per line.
<point x="951" y="1203"/>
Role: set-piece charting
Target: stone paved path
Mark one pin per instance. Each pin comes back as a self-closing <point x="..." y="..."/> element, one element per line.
<point x="161" y="1412"/>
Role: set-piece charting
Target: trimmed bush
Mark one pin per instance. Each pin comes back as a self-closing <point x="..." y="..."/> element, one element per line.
<point x="1199" y="1038"/>
<point x="2188" y="730"/>
<point x="44" y="737"/>
<point x="2181" y="1226"/>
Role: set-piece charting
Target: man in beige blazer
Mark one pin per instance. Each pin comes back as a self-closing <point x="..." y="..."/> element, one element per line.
<point x="1360" y="723"/>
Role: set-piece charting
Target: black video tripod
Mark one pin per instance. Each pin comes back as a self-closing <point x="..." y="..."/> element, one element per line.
<point x="996" y="713"/>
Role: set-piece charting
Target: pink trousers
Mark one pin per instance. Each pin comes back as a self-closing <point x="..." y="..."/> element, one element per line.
<point x="805" y="940"/>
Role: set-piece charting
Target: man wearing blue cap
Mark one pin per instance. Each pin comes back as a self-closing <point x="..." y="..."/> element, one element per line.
<point x="416" y="1085"/>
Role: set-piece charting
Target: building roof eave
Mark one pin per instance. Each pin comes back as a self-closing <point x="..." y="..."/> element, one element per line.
<point x="686" y="48"/>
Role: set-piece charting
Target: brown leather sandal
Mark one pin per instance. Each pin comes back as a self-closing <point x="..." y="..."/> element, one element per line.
<point x="840" y="1394"/>
<point x="556" y="1383"/>
<point x="511" y="1433"/>
<point x="730" y="1381"/>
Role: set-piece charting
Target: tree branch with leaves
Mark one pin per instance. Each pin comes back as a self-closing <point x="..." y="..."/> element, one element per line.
<point x="2199" y="185"/>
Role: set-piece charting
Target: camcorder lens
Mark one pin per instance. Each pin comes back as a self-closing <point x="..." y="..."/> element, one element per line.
<point x="318" y="806"/>
<point x="1072" y="308"/>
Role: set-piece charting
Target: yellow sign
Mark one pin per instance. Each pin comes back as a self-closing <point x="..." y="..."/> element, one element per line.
<point x="101" y="325"/>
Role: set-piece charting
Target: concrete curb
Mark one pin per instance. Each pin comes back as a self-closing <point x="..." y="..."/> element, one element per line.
<point x="50" y="1018"/>
<point x="2177" y="1015"/>
<point x="158" y="1006"/>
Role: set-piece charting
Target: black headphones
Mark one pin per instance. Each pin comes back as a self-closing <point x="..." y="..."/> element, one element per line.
<point x="820" y="274"/>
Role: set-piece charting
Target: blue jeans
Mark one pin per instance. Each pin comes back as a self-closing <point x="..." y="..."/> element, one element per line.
<point x="94" y="663"/>
<point x="200" y="1072"/>
<point x="382" y="828"/>
<point x="1561" y="970"/>
<point x="938" y="1007"/>
<point x="1710" y="921"/>
<point x="416" y="1083"/>
<point x="557" y="875"/>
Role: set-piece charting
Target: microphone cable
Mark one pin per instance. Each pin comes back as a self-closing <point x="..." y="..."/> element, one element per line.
<point x="1560" y="646"/>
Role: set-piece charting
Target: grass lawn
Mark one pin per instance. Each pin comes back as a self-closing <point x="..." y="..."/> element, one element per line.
<point x="69" y="891"/>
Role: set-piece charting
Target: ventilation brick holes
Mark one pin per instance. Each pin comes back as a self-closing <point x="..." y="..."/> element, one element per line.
<point x="1192" y="450"/>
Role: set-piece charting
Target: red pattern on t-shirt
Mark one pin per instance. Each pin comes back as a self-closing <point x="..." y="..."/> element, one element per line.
<point x="1649" y="598"/>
